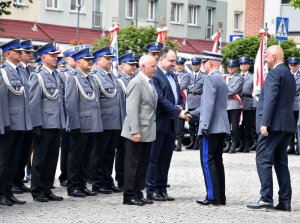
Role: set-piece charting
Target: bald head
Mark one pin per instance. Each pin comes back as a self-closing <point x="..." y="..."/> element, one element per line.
<point x="147" y="65"/>
<point x="274" y="55"/>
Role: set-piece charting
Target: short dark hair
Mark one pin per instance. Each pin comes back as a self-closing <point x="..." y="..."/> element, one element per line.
<point x="165" y="50"/>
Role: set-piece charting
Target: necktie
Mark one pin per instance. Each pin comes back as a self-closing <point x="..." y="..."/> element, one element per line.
<point x="154" y="94"/>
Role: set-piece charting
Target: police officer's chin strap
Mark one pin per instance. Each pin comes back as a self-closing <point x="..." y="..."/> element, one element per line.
<point x="99" y="83"/>
<point x="11" y="88"/>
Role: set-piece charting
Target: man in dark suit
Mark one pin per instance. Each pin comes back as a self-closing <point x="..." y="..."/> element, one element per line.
<point x="169" y="107"/>
<point x="275" y="124"/>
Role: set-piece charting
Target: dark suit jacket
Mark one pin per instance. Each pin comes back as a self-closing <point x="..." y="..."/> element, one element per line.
<point x="166" y="112"/>
<point x="275" y="105"/>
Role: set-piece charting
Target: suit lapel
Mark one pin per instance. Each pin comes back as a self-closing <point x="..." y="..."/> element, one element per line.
<point x="13" y="72"/>
<point x="149" y="89"/>
<point x="161" y="73"/>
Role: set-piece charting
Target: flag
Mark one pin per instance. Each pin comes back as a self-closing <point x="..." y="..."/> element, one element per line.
<point x="114" y="47"/>
<point x="260" y="65"/>
<point x="216" y="38"/>
<point x="161" y="34"/>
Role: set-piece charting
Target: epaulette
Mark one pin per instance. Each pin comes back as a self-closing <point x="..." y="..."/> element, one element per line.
<point x="2" y="65"/>
<point x="93" y="71"/>
<point x="21" y="67"/>
<point x="38" y="69"/>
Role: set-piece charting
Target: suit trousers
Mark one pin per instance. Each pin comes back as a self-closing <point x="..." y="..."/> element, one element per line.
<point x="271" y="150"/>
<point x="211" y="150"/>
<point x="24" y="157"/>
<point x="296" y="116"/>
<point x="102" y="159"/>
<point x="79" y="155"/>
<point x="159" y="163"/>
<point x="234" y="118"/>
<point x="45" y="157"/>
<point x="64" y="154"/>
<point x="10" y="151"/>
<point x="119" y="162"/>
<point x="194" y="125"/>
<point x="248" y="122"/>
<point x="179" y="128"/>
<point x="137" y="156"/>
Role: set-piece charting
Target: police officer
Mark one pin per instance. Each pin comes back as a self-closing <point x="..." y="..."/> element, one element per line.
<point x="70" y="67"/>
<point x="128" y="63"/>
<point x="154" y="49"/>
<point x="102" y="157"/>
<point x="61" y="64"/>
<point x="247" y="100"/>
<point x="193" y="100"/>
<point x="84" y="122"/>
<point x="25" y="59"/>
<point x="234" y="103"/>
<point x="48" y="119"/>
<point x="294" y="68"/>
<point x="184" y="81"/>
<point x="16" y="119"/>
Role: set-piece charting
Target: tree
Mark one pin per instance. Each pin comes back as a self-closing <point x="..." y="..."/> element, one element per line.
<point x="133" y="38"/>
<point x="248" y="46"/>
<point x="5" y="7"/>
<point x="295" y="3"/>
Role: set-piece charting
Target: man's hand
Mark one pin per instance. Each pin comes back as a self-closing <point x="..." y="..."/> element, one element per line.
<point x="179" y="106"/>
<point x="205" y="133"/>
<point x="185" y="115"/>
<point x="264" y="130"/>
<point x="136" y="137"/>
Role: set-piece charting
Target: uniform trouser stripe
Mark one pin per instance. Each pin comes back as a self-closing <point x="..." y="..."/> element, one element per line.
<point x="210" y="193"/>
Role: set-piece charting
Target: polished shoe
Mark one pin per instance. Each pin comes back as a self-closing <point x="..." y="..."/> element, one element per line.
<point x="14" y="200"/>
<point x="260" y="204"/>
<point x="291" y="149"/>
<point x="227" y="147"/>
<point x="104" y="190"/>
<point x="40" y="198"/>
<point x="27" y="178"/>
<point x="5" y="202"/>
<point x="76" y="193"/>
<point x="64" y="183"/>
<point x="283" y="207"/>
<point x="53" y="197"/>
<point x="167" y="197"/>
<point x="16" y="190"/>
<point x="155" y="197"/>
<point x="133" y="201"/>
<point x="146" y="201"/>
<point x="223" y="201"/>
<point x="25" y="188"/>
<point x="208" y="202"/>
<point x="116" y="189"/>
<point x="88" y="192"/>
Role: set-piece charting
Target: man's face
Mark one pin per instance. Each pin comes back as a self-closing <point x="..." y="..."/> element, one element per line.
<point x="71" y="62"/>
<point x="13" y="56"/>
<point x="150" y="68"/>
<point x="26" y="56"/>
<point x="155" y="54"/>
<point x="270" y="59"/>
<point x="206" y="65"/>
<point x="128" y="68"/>
<point x="85" y="64"/>
<point x="105" y="63"/>
<point x="231" y="70"/>
<point x="168" y="62"/>
<point x="50" y="60"/>
<point x="196" y="67"/>
<point x="294" y="68"/>
<point x="244" y="67"/>
<point x="179" y="67"/>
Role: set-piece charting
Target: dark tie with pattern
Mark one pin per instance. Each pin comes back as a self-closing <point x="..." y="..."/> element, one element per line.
<point x="154" y="94"/>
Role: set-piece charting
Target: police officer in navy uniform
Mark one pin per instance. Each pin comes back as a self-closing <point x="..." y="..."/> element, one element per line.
<point x="128" y="64"/>
<point x="154" y="48"/>
<point x="16" y="119"/>
<point x="84" y="122"/>
<point x="248" y="112"/>
<point x="184" y="79"/>
<point x="26" y="57"/>
<point x="294" y="68"/>
<point x="234" y="104"/>
<point x="102" y="157"/>
<point x="48" y="119"/>
<point x="193" y="100"/>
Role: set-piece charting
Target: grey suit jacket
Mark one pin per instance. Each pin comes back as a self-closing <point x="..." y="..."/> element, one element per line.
<point x="247" y="91"/>
<point x="235" y="86"/>
<point x="296" y="100"/>
<point x="83" y="114"/>
<point x="140" y="108"/>
<point x="46" y="112"/>
<point x="195" y="90"/>
<point x="15" y="108"/>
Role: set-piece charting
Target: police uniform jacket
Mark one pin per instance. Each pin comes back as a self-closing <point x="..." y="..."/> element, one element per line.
<point x="184" y="80"/>
<point x="235" y="86"/>
<point x="195" y="90"/>
<point x="15" y="108"/>
<point x="83" y="112"/>
<point x="44" y="111"/>
<point x="123" y="78"/>
<point x="296" y="100"/>
<point x="247" y="98"/>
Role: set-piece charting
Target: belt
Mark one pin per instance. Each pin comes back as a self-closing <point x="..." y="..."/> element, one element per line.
<point x="195" y="93"/>
<point x="247" y="96"/>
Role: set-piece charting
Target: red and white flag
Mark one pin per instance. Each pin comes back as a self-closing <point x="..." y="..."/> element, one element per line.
<point x="162" y="34"/>
<point x="114" y="47"/>
<point x="260" y="65"/>
<point x="216" y="38"/>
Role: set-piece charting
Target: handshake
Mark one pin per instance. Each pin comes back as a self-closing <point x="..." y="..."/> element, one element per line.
<point x="185" y="115"/>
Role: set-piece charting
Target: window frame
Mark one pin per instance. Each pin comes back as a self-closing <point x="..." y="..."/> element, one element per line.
<point x="151" y="17"/>
<point x="133" y="9"/>
<point x="211" y="27"/>
<point x="96" y="12"/>
<point x="52" y="5"/>
<point x="196" y="10"/>
<point x="239" y="21"/>
<point x="178" y="12"/>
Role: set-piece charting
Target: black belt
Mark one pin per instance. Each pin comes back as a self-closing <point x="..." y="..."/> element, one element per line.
<point x="195" y="93"/>
<point x="247" y="96"/>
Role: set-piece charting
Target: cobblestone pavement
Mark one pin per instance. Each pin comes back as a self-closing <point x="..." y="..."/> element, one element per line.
<point x="187" y="185"/>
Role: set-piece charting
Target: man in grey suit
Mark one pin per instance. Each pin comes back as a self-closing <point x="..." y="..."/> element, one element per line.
<point x="139" y="129"/>
<point x="213" y="127"/>
<point x="15" y="114"/>
<point x="47" y="116"/>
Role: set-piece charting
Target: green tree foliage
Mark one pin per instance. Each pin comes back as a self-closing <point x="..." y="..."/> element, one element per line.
<point x="295" y="3"/>
<point x="248" y="46"/>
<point x="133" y="38"/>
<point x="5" y="7"/>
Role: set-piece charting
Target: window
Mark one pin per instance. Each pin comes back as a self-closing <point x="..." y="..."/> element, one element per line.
<point x="130" y="5"/>
<point x="176" y="10"/>
<point x="237" y="21"/>
<point x="97" y="15"/>
<point x="193" y="14"/>
<point x="285" y="1"/>
<point x="209" y="22"/>
<point x="151" y="10"/>
<point x="52" y="4"/>
<point x="74" y="4"/>
<point x="19" y="2"/>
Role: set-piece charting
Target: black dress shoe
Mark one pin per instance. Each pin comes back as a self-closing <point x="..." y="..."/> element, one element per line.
<point x="116" y="189"/>
<point x="53" y="197"/>
<point x="16" y="190"/>
<point x="133" y="201"/>
<point x="283" y="207"/>
<point x="104" y="190"/>
<point x="146" y="201"/>
<point x="4" y="201"/>
<point x="155" y="197"/>
<point x="167" y="197"/>
<point x="88" y="192"/>
<point x="76" y="193"/>
<point x="40" y="198"/>
<point x="14" y="200"/>
<point x="260" y="204"/>
<point x="223" y="201"/>
<point x="64" y="183"/>
<point x="25" y="188"/>
<point x="208" y="202"/>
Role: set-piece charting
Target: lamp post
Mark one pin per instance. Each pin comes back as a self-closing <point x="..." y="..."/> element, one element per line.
<point x="79" y="6"/>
